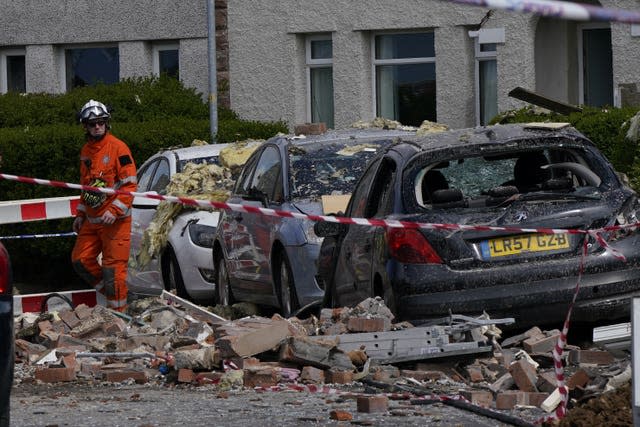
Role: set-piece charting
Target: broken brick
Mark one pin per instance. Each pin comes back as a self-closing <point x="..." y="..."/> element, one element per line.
<point x="590" y="357"/>
<point x="69" y="318"/>
<point x="335" y="376"/>
<point x="478" y="397"/>
<point x="536" y="398"/>
<point x="261" y="376"/>
<point x="509" y="399"/>
<point x="186" y="375"/>
<point x="423" y="375"/>
<point x="54" y="375"/>
<point x="119" y="375"/>
<point x="540" y="344"/>
<point x="505" y="382"/>
<point x="547" y="382"/>
<point x="340" y="415"/>
<point x="312" y="375"/>
<point x="475" y="373"/>
<point x="579" y="379"/>
<point x="368" y="324"/>
<point x="524" y="375"/>
<point x="371" y="404"/>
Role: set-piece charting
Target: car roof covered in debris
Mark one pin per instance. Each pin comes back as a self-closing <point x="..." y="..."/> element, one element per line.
<point x="346" y="136"/>
<point x="498" y="135"/>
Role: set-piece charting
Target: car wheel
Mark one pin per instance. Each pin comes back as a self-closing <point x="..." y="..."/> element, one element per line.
<point x="223" y="287"/>
<point x="173" y="277"/>
<point x="286" y="286"/>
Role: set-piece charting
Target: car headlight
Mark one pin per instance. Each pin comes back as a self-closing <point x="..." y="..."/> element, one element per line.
<point x="202" y="235"/>
<point x="312" y="237"/>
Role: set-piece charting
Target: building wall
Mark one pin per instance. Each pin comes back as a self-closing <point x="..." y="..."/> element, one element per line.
<point x="45" y="27"/>
<point x="267" y="66"/>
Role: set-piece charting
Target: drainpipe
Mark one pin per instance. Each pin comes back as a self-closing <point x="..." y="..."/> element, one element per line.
<point x="213" y="75"/>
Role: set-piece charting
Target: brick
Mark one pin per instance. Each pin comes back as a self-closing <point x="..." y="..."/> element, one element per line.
<point x="547" y="382"/>
<point x="535" y="331"/>
<point x="505" y="382"/>
<point x="475" y="373"/>
<point x="536" y="398"/>
<point x="579" y="379"/>
<point x="54" y="375"/>
<point x="551" y="402"/>
<point x="83" y="311"/>
<point x="371" y="404"/>
<point x="312" y="375"/>
<point x="334" y="376"/>
<point x="91" y="367"/>
<point x="310" y="128"/>
<point x="478" y="397"/>
<point x="186" y="376"/>
<point x="368" y="324"/>
<point x="509" y="399"/>
<point x="119" y="375"/>
<point x="423" y="375"/>
<point x="524" y="375"/>
<point x="114" y="327"/>
<point x="261" y="376"/>
<point x="69" y="318"/>
<point x="340" y="415"/>
<point x="591" y="357"/>
<point x="539" y="344"/>
<point x="385" y="373"/>
<point x="44" y="326"/>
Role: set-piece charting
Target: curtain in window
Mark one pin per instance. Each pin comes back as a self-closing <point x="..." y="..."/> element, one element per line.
<point x="322" y="95"/>
<point x="488" y="90"/>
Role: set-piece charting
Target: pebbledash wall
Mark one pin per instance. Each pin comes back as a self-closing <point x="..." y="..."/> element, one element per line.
<point x="263" y="70"/>
<point x="44" y="29"/>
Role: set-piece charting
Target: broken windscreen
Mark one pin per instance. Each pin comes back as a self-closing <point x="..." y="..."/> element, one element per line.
<point x="328" y="169"/>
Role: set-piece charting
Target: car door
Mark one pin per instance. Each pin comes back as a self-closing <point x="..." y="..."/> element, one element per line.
<point x="352" y="276"/>
<point x="152" y="177"/>
<point x="259" y="230"/>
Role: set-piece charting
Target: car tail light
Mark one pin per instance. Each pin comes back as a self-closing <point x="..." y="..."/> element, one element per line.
<point x="5" y="272"/>
<point x="409" y="246"/>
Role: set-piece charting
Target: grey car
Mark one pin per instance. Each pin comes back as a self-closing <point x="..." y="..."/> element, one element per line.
<point x="503" y="176"/>
<point x="271" y="260"/>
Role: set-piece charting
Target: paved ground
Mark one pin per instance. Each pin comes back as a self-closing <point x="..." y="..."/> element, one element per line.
<point x="152" y="405"/>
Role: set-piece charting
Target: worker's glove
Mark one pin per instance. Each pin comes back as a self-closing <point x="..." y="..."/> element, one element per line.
<point x="77" y="223"/>
<point x="108" y="218"/>
<point x="94" y="199"/>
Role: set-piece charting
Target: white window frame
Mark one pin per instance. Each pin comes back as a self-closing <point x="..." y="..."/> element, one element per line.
<point x="4" y="78"/>
<point x="314" y="63"/>
<point x="62" y="61"/>
<point x="484" y="36"/>
<point x="375" y="62"/>
<point x="159" y="47"/>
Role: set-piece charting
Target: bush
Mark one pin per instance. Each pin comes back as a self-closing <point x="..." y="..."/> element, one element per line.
<point x="606" y="128"/>
<point x="40" y="137"/>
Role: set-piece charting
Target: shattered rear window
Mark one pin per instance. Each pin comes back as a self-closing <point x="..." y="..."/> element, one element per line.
<point x="210" y="160"/>
<point x="328" y="169"/>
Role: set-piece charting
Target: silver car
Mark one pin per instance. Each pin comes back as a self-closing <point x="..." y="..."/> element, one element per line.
<point x="185" y="265"/>
<point x="271" y="260"/>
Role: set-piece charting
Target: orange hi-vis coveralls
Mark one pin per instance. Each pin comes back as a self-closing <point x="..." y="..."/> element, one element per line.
<point x="108" y="163"/>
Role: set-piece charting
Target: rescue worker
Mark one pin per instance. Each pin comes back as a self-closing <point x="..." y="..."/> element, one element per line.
<point x="103" y="221"/>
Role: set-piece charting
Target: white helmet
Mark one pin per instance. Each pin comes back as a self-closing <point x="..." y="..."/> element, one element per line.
<point x="93" y="110"/>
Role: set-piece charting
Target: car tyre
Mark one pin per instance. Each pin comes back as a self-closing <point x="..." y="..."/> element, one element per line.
<point x="224" y="296"/>
<point x="286" y="286"/>
<point x="173" y="277"/>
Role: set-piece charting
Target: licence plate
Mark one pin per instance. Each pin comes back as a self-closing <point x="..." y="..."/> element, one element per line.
<point x="515" y="245"/>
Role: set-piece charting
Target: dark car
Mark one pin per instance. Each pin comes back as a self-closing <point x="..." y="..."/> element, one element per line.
<point x="521" y="176"/>
<point x="271" y="260"/>
<point x="6" y="336"/>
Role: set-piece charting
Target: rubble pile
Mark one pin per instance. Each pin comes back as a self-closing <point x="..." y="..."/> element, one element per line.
<point x="162" y="342"/>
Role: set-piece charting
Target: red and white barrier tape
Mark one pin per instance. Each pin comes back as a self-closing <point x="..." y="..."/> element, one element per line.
<point x="32" y="303"/>
<point x="15" y="211"/>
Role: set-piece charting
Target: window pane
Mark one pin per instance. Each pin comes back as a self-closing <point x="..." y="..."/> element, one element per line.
<point x="321" y="49"/>
<point x="322" y="95"/>
<point x="90" y="66"/>
<point x="406" y="93"/>
<point x="488" y="90"/>
<point x="16" y="81"/>
<point x="168" y="60"/>
<point x="399" y="46"/>
<point x="488" y="47"/>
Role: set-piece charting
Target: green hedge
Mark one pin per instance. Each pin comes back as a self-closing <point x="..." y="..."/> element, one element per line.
<point x="40" y="137"/>
<point x="607" y="128"/>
